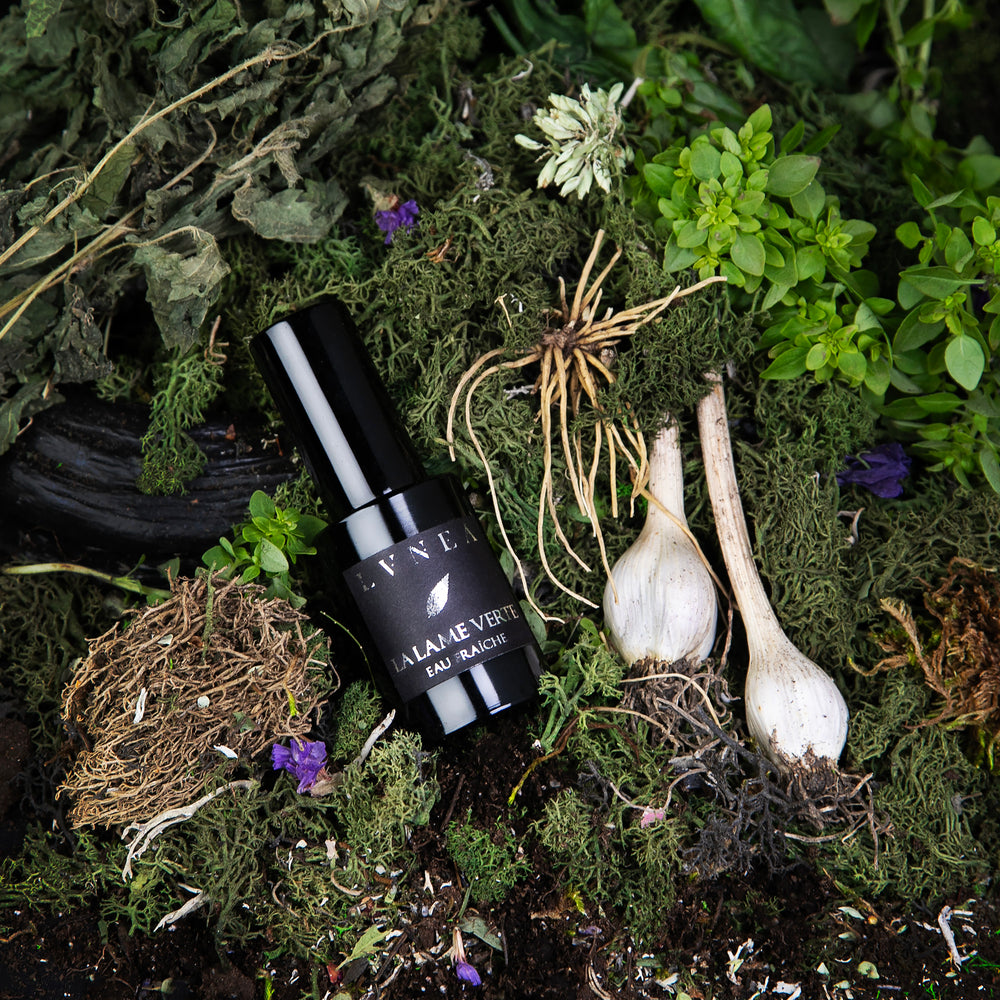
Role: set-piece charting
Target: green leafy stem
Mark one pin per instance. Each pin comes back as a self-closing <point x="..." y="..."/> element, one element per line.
<point x="268" y="544"/>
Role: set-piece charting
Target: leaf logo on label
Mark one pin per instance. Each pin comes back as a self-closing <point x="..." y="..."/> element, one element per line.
<point x="438" y="597"/>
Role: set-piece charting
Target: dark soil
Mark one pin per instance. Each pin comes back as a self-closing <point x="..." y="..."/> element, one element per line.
<point x="783" y="930"/>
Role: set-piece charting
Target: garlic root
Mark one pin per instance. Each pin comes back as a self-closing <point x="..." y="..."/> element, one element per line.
<point x="794" y="709"/>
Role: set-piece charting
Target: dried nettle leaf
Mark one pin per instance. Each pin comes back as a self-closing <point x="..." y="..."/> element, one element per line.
<point x="219" y="121"/>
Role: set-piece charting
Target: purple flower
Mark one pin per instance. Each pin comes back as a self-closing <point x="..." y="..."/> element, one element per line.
<point x="404" y="214"/>
<point x="464" y="969"/>
<point x="467" y="973"/>
<point x="304" y="759"/>
<point x="881" y="470"/>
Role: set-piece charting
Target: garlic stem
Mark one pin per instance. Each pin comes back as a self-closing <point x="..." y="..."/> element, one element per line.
<point x="660" y="601"/>
<point x="794" y="710"/>
<point x="666" y="478"/>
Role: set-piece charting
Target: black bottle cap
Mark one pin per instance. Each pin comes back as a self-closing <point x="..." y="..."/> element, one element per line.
<point x="336" y="407"/>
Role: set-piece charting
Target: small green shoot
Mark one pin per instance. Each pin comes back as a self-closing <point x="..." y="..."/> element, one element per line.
<point x="269" y="544"/>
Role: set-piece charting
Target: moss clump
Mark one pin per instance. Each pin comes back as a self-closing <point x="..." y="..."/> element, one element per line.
<point x="492" y="861"/>
<point x="934" y="798"/>
<point x="378" y="803"/>
<point x="358" y="710"/>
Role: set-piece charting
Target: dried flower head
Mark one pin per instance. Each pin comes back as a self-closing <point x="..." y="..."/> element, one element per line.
<point x="399" y="214"/>
<point x="584" y="141"/>
<point x="304" y="759"/>
<point x="880" y="471"/>
<point x="464" y="969"/>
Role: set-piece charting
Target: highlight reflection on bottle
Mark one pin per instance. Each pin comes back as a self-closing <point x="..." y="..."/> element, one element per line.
<point x="435" y="604"/>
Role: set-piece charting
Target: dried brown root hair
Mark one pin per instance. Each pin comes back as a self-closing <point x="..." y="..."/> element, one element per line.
<point x="573" y="354"/>
<point x="960" y="659"/>
<point x="256" y="662"/>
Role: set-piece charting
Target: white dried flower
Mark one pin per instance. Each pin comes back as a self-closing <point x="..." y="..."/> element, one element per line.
<point x="584" y="144"/>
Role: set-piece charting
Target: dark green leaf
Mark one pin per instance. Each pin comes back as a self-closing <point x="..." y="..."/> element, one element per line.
<point x="877" y="377"/>
<point x="922" y="31"/>
<point x="957" y="250"/>
<point x="800" y="47"/>
<point x="792" y="138"/>
<point x="934" y="282"/>
<point x="980" y="171"/>
<point x="261" y="506"/>
<point x="983" y="232"/>
<point x="909" y="234"/>
<point x="705" y="161"/>
<point x="938" y="402"/>
<point x="991" y="468"/>
<point x="912" y="333"/>
<point x="659" y="178"/>
<point x="809" y="202"/>
<point x="853" y="365"/>
<point x="820" y="140"/>
<point x="272" y="559"/>
<point x="748" y="254"/>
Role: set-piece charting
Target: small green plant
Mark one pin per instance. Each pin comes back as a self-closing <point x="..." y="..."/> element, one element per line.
<point x="947" y="389"/>
<point x="490" y="861"/>
<point x="730" y="203"/>
<point x="269" y="544"/>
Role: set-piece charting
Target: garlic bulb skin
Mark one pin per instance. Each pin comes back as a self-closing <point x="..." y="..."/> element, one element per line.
<point x="660" y="601"/>
<point x="793" y="707"/>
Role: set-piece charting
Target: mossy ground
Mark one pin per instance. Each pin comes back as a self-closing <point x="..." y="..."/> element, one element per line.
<point x="560" y="891"/>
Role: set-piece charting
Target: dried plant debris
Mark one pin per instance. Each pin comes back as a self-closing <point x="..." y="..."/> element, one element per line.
<point x="960" y="653"/>
<point x="756" y="806"/>
<point x="133" y="145"/>
<point x="169" y="705"/>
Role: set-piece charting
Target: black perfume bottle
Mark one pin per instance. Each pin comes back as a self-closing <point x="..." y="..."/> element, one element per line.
<point x="438" y="614"/>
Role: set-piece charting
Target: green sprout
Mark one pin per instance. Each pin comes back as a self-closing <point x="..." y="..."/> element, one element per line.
<point x="269" y="544"/>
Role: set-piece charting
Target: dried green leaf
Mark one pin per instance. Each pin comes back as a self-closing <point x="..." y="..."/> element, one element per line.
<point x="298" y="216"/>
<point x="25" y="402"/>
<point x="182" y="285"/>
<point x="105" y="187"/>
<point x="38" y="13"/>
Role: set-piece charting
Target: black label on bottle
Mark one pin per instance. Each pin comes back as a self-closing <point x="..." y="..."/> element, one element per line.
<point x="437" y="604"/>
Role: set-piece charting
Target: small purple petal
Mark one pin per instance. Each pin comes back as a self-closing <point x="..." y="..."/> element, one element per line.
<point x="390" y="220"/>
<point x="880" y="471"/>
<point x="304" y="759"/>
<point x="281" y="757"/>
<point x="467" y="973"/>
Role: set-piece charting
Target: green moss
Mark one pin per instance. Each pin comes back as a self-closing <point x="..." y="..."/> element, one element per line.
<point x="378" y="803"/>
<point x="492" y="861"/>
<point x="358" y="710"/>
<point x="927" y="789"/>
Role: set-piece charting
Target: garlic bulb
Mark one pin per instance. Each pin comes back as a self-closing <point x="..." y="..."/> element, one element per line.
<point x="793" y="707"/>
<point x="660" y="601"/>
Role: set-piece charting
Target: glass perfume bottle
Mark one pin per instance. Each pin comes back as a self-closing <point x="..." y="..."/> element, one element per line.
<point x="445" y="634"/>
